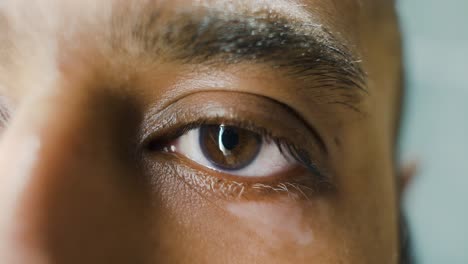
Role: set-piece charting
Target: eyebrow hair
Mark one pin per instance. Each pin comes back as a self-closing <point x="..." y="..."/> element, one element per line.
<point x="303" y="49"/>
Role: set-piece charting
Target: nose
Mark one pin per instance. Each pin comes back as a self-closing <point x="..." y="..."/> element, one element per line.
<point x="70" y="187"/>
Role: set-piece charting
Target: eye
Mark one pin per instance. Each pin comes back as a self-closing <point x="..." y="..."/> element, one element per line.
<point x="218" y="146"/>
<point x="233" y="150"/>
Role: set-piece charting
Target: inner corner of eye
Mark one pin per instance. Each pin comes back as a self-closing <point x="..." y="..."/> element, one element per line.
<point x="160" y="146"/>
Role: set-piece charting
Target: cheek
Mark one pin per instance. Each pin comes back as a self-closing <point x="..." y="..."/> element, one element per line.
<point x="193" y="225"/>
<point x="190" y="227"/>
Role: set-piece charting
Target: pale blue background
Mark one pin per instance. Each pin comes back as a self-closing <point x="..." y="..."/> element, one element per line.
<point x="436" y="127"/>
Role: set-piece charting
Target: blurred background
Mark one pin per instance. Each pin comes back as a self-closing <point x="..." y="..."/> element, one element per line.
<point x="435" y="130"/>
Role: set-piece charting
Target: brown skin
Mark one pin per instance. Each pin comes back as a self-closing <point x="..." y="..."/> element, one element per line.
<point x="79" y="183"/>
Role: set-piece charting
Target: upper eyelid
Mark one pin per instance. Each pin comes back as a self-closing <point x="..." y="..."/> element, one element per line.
<point x="189" y="115"/>
<point x="157" y="121"/>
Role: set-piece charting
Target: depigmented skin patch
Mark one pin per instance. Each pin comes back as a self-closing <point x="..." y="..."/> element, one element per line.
<point x="276" y="223"/>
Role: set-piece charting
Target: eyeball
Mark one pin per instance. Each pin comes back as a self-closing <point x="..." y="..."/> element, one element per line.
<point x="233" y="150"/>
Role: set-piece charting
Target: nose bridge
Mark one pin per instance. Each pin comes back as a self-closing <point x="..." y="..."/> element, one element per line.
<point x="25" y="150"/>
<point x="66" y="185"/>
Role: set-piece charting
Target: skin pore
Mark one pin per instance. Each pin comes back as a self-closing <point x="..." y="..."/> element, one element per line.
<point x="101" y="103"/>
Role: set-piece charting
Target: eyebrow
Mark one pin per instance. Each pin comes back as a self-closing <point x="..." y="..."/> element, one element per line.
<point x="304" y="50"/>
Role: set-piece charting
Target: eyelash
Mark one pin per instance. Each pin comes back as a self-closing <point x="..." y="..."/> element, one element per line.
<point x="285" y="146"/>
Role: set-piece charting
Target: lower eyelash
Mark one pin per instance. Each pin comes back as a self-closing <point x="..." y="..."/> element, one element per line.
<point x="300" y="187"/>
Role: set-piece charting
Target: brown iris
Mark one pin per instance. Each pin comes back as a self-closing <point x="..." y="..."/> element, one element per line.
<point x="229" y="148"/>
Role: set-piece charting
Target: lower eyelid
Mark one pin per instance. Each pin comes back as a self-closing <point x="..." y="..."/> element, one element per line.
<point x="298" y="184"/>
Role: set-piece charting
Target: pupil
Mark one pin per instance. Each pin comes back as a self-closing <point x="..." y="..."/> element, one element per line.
<point x="229" y="138"/>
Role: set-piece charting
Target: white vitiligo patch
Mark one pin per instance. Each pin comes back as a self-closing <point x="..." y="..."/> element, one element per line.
<point x="276" y="223"/>
<point x="24" y="154"/>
